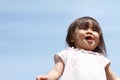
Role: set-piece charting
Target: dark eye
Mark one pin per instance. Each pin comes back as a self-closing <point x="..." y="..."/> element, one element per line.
<point x="96" y="29"/>
<point x="83" y="27"/>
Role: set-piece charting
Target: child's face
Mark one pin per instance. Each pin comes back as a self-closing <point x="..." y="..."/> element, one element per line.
<point x="86" y="37"/>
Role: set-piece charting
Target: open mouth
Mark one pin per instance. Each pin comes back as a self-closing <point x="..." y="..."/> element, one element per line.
<point x="89" y="38"/>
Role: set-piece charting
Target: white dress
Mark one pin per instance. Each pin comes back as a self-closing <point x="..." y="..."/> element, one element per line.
<point x="83" y="65"/>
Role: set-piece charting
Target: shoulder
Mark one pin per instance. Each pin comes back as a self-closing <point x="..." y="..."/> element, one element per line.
<point x="103" y="60"/>
<point x="69" y="51"/>
<point x="66" y="51"/>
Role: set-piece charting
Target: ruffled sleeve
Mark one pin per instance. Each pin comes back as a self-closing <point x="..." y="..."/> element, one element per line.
<point x="61" y="55"/>
<point x="104" y="61"/>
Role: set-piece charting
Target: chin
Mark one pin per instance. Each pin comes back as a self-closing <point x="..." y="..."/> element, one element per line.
<point x="90" y="48"/>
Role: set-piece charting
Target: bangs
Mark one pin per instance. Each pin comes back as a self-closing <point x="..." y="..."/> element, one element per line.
<point x="82" y="24"/>
<point x="87" y="23"/>
<point x="96" y="27"/>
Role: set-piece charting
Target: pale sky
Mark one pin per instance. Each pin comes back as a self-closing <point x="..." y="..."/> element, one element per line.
<point x="33" y="31"/>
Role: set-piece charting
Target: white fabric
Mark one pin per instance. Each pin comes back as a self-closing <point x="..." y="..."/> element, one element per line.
<point x="83" y="65"/>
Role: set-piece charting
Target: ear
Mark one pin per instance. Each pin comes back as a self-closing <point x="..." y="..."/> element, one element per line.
<point x="72" y="38"/>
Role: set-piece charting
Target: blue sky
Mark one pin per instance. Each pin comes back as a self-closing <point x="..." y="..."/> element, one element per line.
<point x="32" y="31"/>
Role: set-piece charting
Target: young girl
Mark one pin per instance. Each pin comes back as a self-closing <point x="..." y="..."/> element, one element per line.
<point x="85" y="58"/>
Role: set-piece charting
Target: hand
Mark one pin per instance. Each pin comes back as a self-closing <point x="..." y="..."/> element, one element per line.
<point x="42" y="77"/>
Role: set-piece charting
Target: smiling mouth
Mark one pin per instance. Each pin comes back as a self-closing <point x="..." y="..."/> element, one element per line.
<point x="89" y="39"/>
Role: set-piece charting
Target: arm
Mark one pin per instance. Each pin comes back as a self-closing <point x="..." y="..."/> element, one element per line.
<point x="110" y="74"/>
<point x="55" y="73"/>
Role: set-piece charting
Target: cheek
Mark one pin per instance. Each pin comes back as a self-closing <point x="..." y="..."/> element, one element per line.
<point x="79" y="37"/>
<point x="97" y="40"/>
<point x="97" y="37"/>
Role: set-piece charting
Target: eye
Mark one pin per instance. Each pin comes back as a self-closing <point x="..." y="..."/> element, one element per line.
<point x="83" y="27"/>
<point x="95" y="29"/>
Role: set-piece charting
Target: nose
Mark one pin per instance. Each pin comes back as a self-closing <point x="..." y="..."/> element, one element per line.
<point x="89" y="31"/>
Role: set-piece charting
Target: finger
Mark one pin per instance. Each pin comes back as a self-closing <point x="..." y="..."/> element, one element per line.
<point x="44" y="77"/>
<point x="41" y="77"/>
